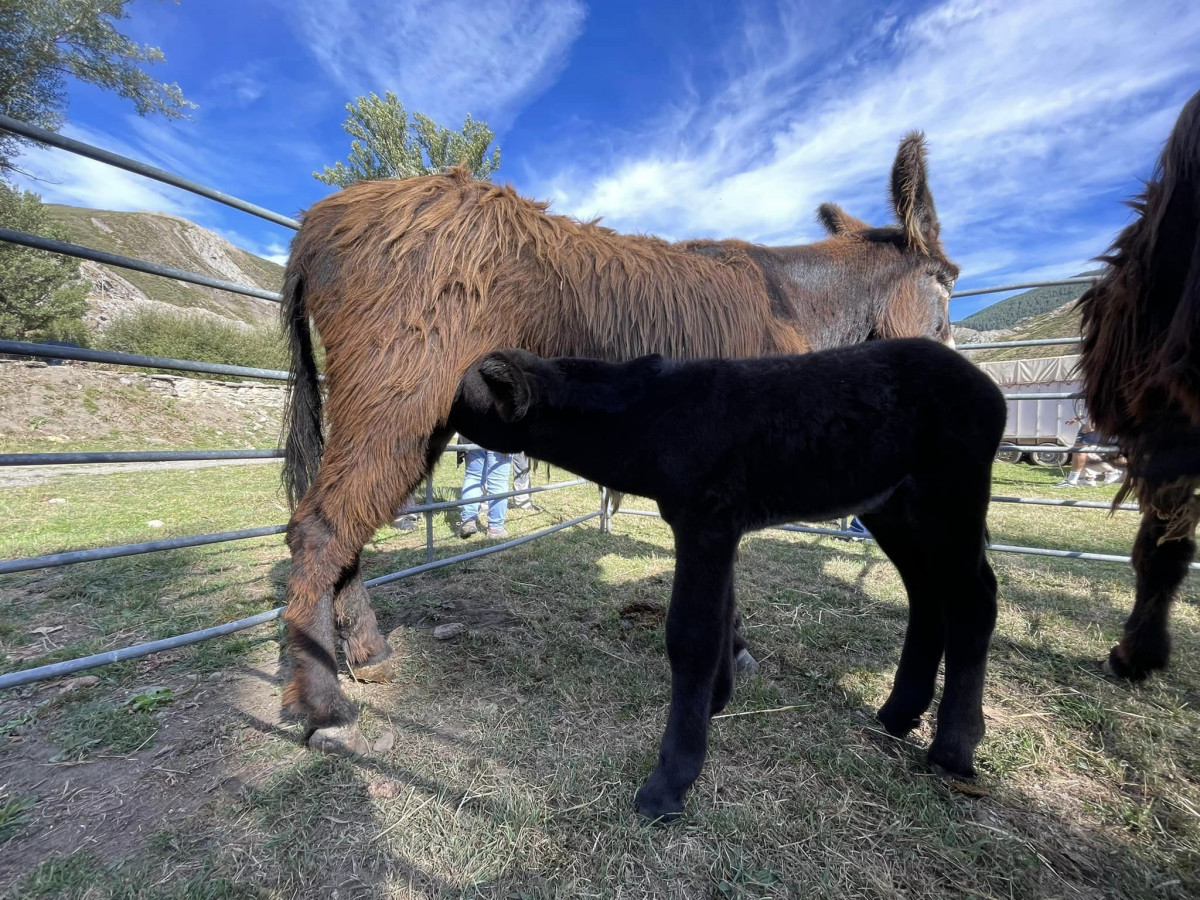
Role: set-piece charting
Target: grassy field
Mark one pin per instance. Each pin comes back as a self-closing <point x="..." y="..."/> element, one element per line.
<point x="505" y="760"/>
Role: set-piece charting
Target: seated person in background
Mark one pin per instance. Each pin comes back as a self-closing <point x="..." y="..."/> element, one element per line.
<point x="1081" y="462"/>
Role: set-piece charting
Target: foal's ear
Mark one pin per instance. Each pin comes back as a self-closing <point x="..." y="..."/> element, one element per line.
<point x="911" y="197"/>
<point x="836" y="220"/>
<point x="509" y="385"/>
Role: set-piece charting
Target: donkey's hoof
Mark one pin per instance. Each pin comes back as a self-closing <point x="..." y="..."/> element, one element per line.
<point x="746" y="664"/>
<point x="340" y="740"/>
<point x="380" y="670"/>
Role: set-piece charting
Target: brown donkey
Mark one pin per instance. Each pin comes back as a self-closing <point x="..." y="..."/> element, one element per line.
<point x="1141" y="367"/>
<point x="409" y="282"/>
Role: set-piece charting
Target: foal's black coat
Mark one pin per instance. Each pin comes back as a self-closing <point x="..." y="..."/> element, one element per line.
<point x="901" y="432"/>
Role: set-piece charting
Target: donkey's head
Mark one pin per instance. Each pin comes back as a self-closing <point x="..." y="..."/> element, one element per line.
<point x="910" y="275"/>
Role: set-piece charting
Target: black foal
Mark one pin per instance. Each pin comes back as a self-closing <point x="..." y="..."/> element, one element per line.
<point x="901" y="432"/>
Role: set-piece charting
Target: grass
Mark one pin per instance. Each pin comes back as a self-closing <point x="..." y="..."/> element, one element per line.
<point x="518" y="746"/>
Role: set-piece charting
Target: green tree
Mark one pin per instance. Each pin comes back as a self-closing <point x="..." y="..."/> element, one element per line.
<point x="387" y="144"/>
<point x="43" y="42"/>
<point x="41" y="295"/>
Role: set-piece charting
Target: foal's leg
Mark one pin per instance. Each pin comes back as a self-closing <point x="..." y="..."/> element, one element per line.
<point x="723" y="683"/>
<point x="699" y="644"/>
<point x="1161" y="566"/>
<point x="955" y="531"/>
<point x="916" y="675"/>
<point x="367" y="652"/>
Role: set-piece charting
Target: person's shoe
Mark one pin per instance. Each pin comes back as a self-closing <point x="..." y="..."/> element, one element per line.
<point x="468" y="528"/>
<point x="1112" y="477"/>
<point x="525" y="504"/>
<point x="1066" y="482"/>
<point x="498" y="534"/>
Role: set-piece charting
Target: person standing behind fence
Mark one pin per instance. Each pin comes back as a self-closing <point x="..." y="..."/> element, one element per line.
<point x="521" y="469"/>
<point x="486" y="471"/>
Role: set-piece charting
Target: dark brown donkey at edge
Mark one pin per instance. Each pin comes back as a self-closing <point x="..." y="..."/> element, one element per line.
<point x="409" y="282"/>
<point x="1141" y="367"/>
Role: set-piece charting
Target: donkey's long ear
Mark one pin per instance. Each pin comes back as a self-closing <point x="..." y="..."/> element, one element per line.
<point x="508" y="383"/>
<point x="911" y="197"/>
<point x="836" y="220"/>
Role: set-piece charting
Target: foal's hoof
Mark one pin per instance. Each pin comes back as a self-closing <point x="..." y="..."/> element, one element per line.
<point x="656" y="802"/>
<point x="340" y="740"/>
<point x="1131" y="670"/>
<point x="951" y="766"/>
<point x="897" y="725"/>
<point x="746" y="664"/>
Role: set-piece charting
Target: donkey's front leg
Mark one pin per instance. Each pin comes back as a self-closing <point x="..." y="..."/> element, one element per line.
<point x="699" y="622"/>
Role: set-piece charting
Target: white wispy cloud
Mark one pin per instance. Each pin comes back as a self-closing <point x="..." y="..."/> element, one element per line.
<point x="1032" y="110"/>
<point x="446" y="58"/>
<point x="62" y="177"/>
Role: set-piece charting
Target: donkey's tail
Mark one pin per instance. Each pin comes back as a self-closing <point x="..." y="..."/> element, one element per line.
<point x="302" y="409"/>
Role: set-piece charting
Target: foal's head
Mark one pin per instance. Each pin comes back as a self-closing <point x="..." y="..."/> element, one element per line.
<point x="910" y="275"/>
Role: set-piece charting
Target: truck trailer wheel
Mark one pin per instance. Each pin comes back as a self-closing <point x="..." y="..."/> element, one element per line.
<point x="1050" y="458"/>
<point x="1009" y="456"/>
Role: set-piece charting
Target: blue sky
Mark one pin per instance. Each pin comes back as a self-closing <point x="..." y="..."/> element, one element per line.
<point x="678" y="119"/>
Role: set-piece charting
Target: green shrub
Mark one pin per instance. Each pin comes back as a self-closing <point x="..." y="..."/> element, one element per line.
<point x="189" y="336"/>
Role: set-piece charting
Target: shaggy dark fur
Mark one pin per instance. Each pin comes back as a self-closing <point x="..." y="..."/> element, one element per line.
<point x="901" y="432"/>
<point x="1141" y="367"/>
<point x="408" y="282"/>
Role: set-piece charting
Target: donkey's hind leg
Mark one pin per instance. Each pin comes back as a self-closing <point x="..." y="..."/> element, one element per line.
<point x="368" y="654"/>
<point x="355" y="491"/>
<point x="1160" y="565"/>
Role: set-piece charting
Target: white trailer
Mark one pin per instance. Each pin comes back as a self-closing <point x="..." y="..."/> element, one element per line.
<point x="1038" y="422"/>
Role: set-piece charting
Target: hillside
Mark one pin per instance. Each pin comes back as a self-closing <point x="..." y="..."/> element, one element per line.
<point x="172" y="241"/>
<point x="1061" y="322"/>
<point x="1018" y="308"/>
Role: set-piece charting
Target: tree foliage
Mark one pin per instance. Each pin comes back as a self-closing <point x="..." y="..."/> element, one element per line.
<point x="388" y="144"/>
<point x="41" y="295"/>
<point x="43" y="42"/>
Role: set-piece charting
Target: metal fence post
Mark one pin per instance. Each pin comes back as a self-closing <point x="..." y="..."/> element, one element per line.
<point x="429" y="518"/>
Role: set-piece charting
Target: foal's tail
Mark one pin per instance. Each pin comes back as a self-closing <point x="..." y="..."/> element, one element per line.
<point x="302" y="410"/>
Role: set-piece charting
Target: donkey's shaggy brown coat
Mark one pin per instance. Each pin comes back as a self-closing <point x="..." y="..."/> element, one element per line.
<point x="1141" y="366"/>
<point x="409" y="282"/>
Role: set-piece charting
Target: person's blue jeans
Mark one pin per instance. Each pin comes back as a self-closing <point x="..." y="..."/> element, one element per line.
<point x="485" y="468"/>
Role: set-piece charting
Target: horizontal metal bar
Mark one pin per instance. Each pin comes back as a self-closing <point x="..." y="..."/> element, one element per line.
<point x="999" y="548"/>
<point x="38" y="242"/>
<point x="133" y="456"/>
<point x="1032" y="342"/>
<point x="475" y="554"/>
<point x="1073" y="504"/>
<point x="42" y="136"/>
<point x="483" y="498"/>
<point x="70" y="666"/>
<point x="1051" y="395"/>
<point x="46" y="351"/>
<point x="1068" y="554"/>
<point x="1085" y="279"/>
<point x="1058" y="448"/>
<point x="71" y="557"/>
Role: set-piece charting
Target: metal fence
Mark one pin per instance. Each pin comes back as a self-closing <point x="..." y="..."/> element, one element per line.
<point x="428" y="508"/>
